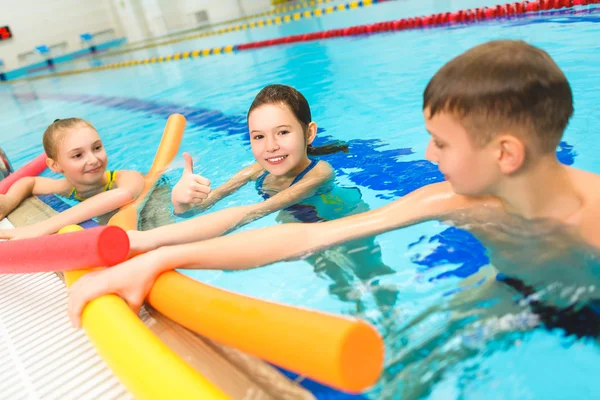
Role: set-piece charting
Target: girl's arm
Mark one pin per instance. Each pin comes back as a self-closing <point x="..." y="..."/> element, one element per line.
<point x="131" y="181"/>
<point x="129" y="186"/>
<point x="242" y="177"/>
<point x="192" y="194"/>
<point x="25" y="187"/>
<point x="217" y="223"/>
<point x="133" y="279"/>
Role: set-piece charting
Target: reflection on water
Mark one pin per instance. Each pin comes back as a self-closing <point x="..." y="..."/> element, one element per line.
<point x="543" y="278"/>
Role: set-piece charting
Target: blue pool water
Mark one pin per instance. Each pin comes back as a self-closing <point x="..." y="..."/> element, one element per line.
<point x="366" y="91"/>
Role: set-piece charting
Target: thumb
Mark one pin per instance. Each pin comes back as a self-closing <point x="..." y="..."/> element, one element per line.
<point x="189" y="163"/>
<point x="75" y="309"/>
<point x="135" y="305"/>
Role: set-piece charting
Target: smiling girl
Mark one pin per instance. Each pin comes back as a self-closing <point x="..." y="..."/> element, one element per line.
<point x="281" y="133"/>
<point x="290" y="181"/>
<point x="281" y="136"/>
<point x="74" y="150"/>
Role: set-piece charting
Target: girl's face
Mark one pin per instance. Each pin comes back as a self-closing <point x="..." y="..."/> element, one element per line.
<point x="278" y="141"/>
<point x="81" y="157"/>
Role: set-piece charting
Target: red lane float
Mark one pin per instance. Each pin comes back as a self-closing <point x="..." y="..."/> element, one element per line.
<point x="510" y="10"/>
<point x="33" y="168"/>
<point x="101" y="246"/>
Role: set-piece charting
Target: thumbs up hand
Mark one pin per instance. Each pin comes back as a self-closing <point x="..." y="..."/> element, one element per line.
<point x="191" y="189"/>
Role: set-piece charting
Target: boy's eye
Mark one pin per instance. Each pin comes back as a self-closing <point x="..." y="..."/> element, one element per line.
<point x="284" y="132"/>
<point x="257" y="137"/>
<point x="99" y="147"/>
<point x="78" y="155"/>
<point x="438" y="144"/>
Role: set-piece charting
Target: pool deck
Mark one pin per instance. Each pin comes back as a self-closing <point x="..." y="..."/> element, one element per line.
<point x="43" y="357"/>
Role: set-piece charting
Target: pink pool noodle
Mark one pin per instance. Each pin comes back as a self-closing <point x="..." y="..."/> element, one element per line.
<point x="102" y="246"/>
<point x="33" y="168"/>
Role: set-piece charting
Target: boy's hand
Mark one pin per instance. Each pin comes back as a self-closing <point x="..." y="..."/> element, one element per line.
<point x="131" y="280"/>
<point x="191" y="189"/>
<point x="140" y="242"/>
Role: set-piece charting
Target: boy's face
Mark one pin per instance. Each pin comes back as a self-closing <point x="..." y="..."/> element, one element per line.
<point x="470" y="169"/>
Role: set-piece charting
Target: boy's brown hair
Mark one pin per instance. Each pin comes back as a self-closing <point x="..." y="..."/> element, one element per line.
<point x="55" y="131"/>
<point x="504" y="86"/>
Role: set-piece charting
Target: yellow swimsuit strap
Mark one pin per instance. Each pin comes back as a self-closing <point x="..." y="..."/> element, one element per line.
<point x="111" y="177"/>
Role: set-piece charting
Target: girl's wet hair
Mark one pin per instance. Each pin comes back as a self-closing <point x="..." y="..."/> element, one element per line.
<point x="54" y="132"/>
<point x="297" y="104"/>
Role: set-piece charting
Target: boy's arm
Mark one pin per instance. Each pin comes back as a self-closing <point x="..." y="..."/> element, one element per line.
<point x="133" y="279"/>
<point x="25" y="187"/>
<point x="264" y="246"/>
<point x="215" y="224"/>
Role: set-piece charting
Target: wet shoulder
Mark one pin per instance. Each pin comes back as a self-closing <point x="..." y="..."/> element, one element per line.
<point x="252" y="172"/>
<point x="64" y="188"/>
<point x="589" y="186"/>
<point x="323" y="170"/>
<point x="583" y="175"/>
<point x="120" y="178"/>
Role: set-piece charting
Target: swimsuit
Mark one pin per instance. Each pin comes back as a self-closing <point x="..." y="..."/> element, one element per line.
<point x="581" y="321"/>
<point x="111" y="179"/>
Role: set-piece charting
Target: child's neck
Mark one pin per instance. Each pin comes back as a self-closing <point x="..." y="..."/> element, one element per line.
<point x="91" y="190"/>
<point x="546" y="190"/>
<point x="297" y="170"/>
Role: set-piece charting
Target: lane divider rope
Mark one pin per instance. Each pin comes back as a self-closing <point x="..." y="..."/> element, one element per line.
<point x="131" y="47"/>
<point x="511" y="10"/>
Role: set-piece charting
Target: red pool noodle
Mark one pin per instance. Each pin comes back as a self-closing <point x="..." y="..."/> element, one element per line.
<point x="33" y="168"/>
<point x="96" y="247"/>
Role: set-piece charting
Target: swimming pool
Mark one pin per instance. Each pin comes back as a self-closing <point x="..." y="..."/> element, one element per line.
<point x="366" y="91"/>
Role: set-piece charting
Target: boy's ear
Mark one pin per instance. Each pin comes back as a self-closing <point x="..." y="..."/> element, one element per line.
<point x="53" y="165"/>
<point x="512" y="153"/>
<point x="312" y="133"/>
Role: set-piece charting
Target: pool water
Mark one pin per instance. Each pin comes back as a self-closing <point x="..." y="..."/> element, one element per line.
<point x="367" y="92"/>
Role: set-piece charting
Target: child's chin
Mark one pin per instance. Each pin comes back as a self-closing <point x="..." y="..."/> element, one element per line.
<point x="460" y="190"/>
<point x="93" y="178"/>
<point x="466" y="191"/>
<point x="277" y="169"/>
<point x="95" y="174"/>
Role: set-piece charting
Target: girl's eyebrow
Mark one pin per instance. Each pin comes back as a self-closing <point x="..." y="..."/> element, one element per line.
<point x="79" y="148"/>
<point x="277" y="127"/>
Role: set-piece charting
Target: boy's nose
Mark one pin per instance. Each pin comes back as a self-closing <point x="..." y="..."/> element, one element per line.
<point x="431" y="152"/>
